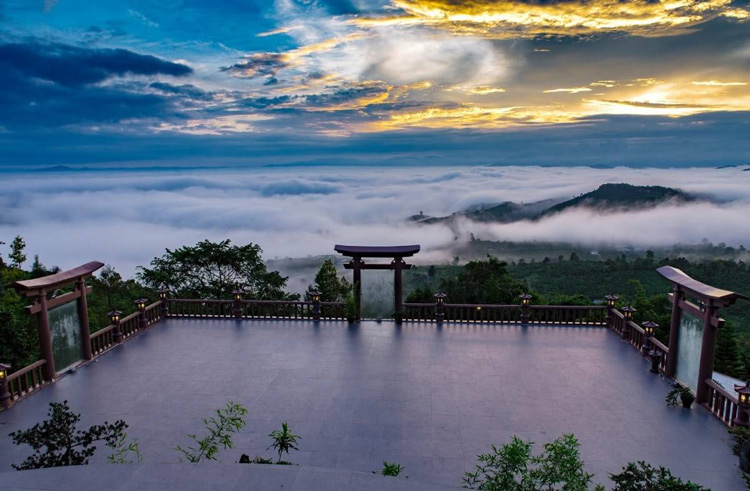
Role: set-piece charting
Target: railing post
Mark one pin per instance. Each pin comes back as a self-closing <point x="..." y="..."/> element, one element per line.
<point x="316" y="305"/>
<point x="142" y="321"/>
<point x="163" y="308"/>
<point x="649" y="329"/>
<point x="655" y="356"/>
<point x="440" y="307"/>
<point x="4" y="392"/>
<point x="627" y="314"/>
<point x="525" y="301"/>
<point x="611" y="306"/>
<point x="114" y="316"/>
<point x="743" y="405"/>
<point x="45" y="338"/>
<point x="237" y="294"/>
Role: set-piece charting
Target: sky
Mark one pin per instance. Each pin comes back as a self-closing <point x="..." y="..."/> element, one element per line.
<point x="126" y="218"/>
<point x="374" y="82"/>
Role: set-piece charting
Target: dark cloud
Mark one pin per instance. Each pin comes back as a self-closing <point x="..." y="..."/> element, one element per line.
<point x="259" y="65"/>
<point x="74" y="67"/>
<point x="46" y="85"/>
<point x="187" y="90"/>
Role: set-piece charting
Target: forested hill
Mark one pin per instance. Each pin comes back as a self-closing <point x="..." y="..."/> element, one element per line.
<point x="608" y="197"/>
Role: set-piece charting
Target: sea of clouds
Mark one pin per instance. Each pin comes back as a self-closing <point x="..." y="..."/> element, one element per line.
<point x="126" y="218"/>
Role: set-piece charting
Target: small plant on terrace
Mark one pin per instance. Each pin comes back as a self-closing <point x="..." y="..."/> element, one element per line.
<point x="124" y="451"/>
<point x="391" y="468"/>
<point x="220" y="428"/>
<point x="682" y="393"/>
<point x="284" y="440"/>
<point x="57" y="442"/>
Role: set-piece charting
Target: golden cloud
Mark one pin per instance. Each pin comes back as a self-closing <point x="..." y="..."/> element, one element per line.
<point x="514" y="18"/>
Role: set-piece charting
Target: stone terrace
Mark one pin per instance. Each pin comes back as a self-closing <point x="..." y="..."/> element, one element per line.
<point x="429" y="397"/>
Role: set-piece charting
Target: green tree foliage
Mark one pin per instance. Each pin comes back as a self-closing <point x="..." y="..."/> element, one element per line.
<point x="640" y="476"/>
<point x="483" y="282"/>
<point x="214" y="270"/>
<point x="17" y="254"/>
<point x="58" y="442"/>
<point x="219" y="430"/>
<point x="329" y="285"/>
<point x="512" y="467"/>
<point x="728" y="358"/>
<point x="18" y="332"/>
<point x="110" y="292"/>
<point x="284" y="440"/>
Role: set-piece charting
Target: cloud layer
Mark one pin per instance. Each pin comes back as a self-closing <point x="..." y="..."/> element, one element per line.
<point x="127" y="218"/>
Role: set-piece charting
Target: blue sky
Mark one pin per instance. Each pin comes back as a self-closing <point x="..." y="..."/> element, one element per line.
<point x="396" y="82"/>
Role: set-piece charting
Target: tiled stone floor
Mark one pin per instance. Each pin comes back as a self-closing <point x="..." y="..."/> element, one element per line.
<point x="429" y="398"/>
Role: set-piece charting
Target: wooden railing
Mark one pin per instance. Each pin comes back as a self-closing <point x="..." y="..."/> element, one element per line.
<point x="510" y="314"/>
<point x="634" y="335"/>
<point x="102" y="340"/>
<point x="721" y="402"/>
<point x="253" y="309"/>
<point x="568" y="314"/>
<point x="26" y="381"/>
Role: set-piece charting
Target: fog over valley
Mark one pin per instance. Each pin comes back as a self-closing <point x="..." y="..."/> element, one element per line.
<point x="126" y="218"/>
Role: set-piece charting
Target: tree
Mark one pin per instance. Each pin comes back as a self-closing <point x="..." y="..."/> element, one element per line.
<point x="483" y="282"/>
<point x="574" y="257"/>
<point x="58" y="442"/>
<point x="17" y="255"/>
<point x="214" y="270"/>
<point x="328" y="284"/>
<point x="728" y="359"/>
<point x="431" y="271"/>
<point x="512" y="467"/>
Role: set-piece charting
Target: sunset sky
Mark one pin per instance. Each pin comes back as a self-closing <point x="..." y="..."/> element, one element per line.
<point x="231" y="82"/>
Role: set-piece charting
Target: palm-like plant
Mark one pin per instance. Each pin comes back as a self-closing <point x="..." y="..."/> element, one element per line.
<point x="284" y="440"/>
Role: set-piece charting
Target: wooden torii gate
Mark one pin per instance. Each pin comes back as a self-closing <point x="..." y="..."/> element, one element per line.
<point x="398" y="253"/>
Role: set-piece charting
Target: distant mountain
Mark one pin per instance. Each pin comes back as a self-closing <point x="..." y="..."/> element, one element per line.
<point x="612" y="197"/>
<point x="607" y="198"/>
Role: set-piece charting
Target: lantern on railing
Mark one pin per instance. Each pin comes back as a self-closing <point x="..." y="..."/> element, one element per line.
<point x="114" y="316"/>
<point x="315" y="295"/>
<point x="649" y="329"/>
<point x="142" y="321"/>
<point x="627" y="313"/>
<point x="237" y="295"/>
<point x="525" y="302"/>
<point x="4" y="392"/>
<point x="611" y="301"/>
<point x="163" y="294"/>
<point x="743" y="405"/>
<point x="440" y="306"/>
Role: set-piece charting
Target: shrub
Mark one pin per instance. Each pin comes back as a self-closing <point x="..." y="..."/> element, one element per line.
<point x="741" y="435"/>
<point x="391" y="468"/>
<point x="220" y="428"/>
<point x="512" y="467"/>
<point x="284" y="440"/>
<point x="57" y="442"/>
<point x="640" y="476"/>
